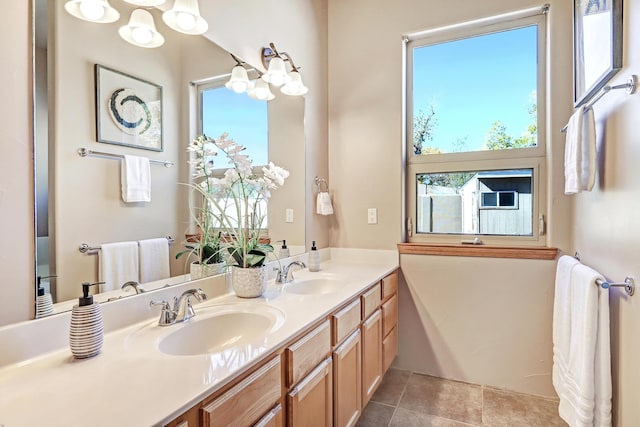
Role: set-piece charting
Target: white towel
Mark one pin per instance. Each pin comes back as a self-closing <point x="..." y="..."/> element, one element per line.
<point x="581" y="349"/>
<point x="135" y="177"/>
<point x="323" y="204"/>
<point x="118" y="264"/>
<point x="580" y="152"/>
<point x="154" y="259"/>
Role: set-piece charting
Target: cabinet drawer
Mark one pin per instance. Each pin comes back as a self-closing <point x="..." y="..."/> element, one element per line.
<point x="247" y="401"/>
<point x="345" y="321"/>
<point x="370" y="301"/>
<point x="389" y="315"/>
<point x="275" y="418"/>
<point x="390" y="285"/>
<point x="389" y="348"/>
<point x="307" y="352"/>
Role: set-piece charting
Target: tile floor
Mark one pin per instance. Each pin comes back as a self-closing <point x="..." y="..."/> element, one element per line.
<point x="408" y="399"/>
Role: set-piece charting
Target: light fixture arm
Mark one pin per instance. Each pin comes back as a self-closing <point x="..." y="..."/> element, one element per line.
<point x="271" y="52"/>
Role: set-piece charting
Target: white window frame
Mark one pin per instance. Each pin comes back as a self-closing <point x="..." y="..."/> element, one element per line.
<point x="522" y="158"/>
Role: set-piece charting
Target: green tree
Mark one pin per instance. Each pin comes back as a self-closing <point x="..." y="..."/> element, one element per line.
<point x="423" y="125"/>
<point x="498" y="139"/>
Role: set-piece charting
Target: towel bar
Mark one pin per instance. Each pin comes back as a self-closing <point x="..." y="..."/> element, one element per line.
<point x="628" y="284"/>
<point x="85" y="247"/>
<point x="319" y="182"/>
<point x="83" y="152"/>
<point x="630" y="87"/>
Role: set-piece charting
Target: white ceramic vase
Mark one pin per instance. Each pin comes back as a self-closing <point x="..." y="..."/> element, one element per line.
<point x="249" y="282"/>
<point x="198" y="271"/>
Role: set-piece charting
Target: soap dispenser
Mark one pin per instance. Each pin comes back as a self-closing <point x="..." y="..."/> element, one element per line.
<point x="314" y="258"/>
<point x="284" y="250"/>
<point x="86" y="332"/>
<point x="44" y="303"/>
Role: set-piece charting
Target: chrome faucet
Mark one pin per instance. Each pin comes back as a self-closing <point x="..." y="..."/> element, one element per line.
<point x="135" y="285"/>
<point x="182" y="306"/>
<point x="182" y="309"/>
<point x="285" y="275"/>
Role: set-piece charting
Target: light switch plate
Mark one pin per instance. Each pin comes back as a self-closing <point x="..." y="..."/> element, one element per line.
<point x="288" y="214"/>
<point x="372" y="216"/>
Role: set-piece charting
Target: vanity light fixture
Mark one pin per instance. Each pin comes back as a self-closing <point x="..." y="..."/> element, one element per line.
<point x="277" y="75"/>
<point x="185" y="17"/>
<point x="239" y="81"/>
<point x="98" y="11"/>
<point x="276" y="70"/>
<point x="145" y="3"/>
<point x="141" y="30"/>
<point x="260" y="90"/>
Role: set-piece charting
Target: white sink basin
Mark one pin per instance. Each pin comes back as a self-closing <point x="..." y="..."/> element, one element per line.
<point x="314" y="286"/>
<point x="214" y="329"/>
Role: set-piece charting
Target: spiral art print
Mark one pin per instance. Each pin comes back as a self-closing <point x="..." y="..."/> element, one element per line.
<point x="129" y="110"/>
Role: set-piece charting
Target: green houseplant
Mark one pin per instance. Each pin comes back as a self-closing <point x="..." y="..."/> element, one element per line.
<point x="236" y="202"/>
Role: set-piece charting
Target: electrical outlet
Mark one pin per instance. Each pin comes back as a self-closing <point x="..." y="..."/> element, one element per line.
<point x="372" y="216"/>
<point x="288" y="213"/>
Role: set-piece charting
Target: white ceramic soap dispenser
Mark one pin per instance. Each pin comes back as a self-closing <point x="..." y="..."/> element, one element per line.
<point x="86" y="332"/>
<point x="44" y="303"/>
<point x="284" y="250"/>
<point x="313" y="262"/>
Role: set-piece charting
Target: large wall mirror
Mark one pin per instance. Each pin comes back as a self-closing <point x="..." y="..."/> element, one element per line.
<point x="78" y="199"/>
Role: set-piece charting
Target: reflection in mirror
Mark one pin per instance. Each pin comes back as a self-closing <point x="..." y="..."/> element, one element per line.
<point x="78" y="199"/>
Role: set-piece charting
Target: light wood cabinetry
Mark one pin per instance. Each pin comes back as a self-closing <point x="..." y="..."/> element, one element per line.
<point x="307" y="352"/>
<point x="347" y="379"/>
<point x="248" y="401"/>
<point x="371" y="355"/>
<point x="274" y="418"/>
<point x="310" y="403"/>
<point x="322" y="378"/>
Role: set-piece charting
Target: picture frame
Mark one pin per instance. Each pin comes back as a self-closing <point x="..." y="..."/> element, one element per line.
<point x="128" y="110"/>
<point x="597" y="46"/>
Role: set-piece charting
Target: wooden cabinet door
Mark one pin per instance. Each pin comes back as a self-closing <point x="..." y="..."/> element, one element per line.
<point x="347" y="381"/>
<point x="389" y="349"/>
<point x="307" y="352"/>
<point x="310" y="403"/>
<point x="389" y="315"/>
<point x="248" y="401"/>
<point x="371" y="355"/>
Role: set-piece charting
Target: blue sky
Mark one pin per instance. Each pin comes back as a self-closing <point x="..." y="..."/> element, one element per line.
<point x="473" y="82"/>
<point x="243" y="118"/>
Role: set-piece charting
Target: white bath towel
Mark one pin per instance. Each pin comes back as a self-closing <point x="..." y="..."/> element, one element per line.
<point x="580" y="152"/>
<point x="154" y="259"/>
<point x="581" y="349"/>
<point x="135" y="177"/>
<point x="118" y="264"/>
<point x="323" y="204"/>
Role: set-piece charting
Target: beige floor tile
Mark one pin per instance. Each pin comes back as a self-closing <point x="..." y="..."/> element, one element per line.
<point x="391" y="387"/>
<point x="507" y="409"/>
<point x="375" y="415"/>
<point x="407" y="418"/>
<point x="443" y="398"/>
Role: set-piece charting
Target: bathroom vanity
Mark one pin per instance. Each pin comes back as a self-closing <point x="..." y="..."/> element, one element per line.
<point x="310" y="352"/>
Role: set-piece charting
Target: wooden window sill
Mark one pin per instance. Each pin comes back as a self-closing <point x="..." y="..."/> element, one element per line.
<point x="484" y="251"/>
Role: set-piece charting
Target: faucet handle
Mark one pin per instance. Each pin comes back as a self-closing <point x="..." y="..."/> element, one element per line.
<point x="167" y="315"/>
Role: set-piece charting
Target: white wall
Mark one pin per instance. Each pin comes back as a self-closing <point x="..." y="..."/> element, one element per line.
<point x="459" y="316"/>
<point x="607" y="223"/>
<point x="16" y="168"/>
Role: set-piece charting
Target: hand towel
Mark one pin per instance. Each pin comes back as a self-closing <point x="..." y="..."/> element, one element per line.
<point x="581" y="349"/>
<point x="118" y="264"/>
<point x="154" y="259"/>
<point x="135" y="177"/>
<point x="323" y="204"/>
<point x="580" y="152"/>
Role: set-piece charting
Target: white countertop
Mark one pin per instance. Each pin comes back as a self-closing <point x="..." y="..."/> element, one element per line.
<point x="132" y="383"/>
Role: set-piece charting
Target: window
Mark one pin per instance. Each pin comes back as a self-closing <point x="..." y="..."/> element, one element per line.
<point x="475" y="131"/>
<point x="243" y="118"/>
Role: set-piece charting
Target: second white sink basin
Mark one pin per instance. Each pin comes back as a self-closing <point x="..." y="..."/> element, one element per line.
<point x="314" y="286"/>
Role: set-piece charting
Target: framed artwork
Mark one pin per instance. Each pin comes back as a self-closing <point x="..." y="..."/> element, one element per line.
<point x="597" y="46"/>
<point x="128" y="110"/>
